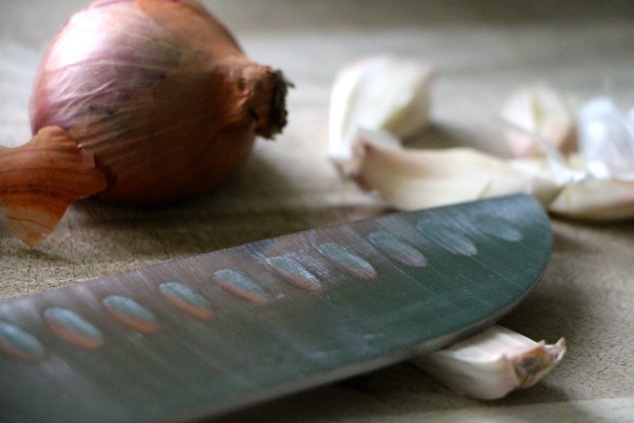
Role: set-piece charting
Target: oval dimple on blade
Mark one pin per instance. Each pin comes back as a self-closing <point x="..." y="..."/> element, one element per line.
<point x="73" y="328"/>
<point x="131" y="314"/>
<point x="397" y="249"/>
<point x="448" y="237"/>
<point x="240" y="285"/>
<point x="294" y="273"/>
<point x="20" y="344"/>
<point x="347" y="261"/>
<point x="498" y="227"/>
<point x="187" y="300"/>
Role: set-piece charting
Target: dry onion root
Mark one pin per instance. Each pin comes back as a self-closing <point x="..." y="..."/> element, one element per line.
<point x="137" y="101"/>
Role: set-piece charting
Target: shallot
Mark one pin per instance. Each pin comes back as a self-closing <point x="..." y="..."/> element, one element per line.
<point x="156" y="98"/>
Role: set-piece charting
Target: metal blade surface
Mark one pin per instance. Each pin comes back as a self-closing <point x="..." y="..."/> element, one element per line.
<point x="205" y="335"/>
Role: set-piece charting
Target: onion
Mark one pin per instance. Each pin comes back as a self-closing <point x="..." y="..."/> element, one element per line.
<point x="157" y="98"/>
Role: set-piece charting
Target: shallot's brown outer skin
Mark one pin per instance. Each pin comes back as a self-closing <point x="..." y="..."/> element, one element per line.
<point x="38" y="181"/>
<point x="162" y="96"/>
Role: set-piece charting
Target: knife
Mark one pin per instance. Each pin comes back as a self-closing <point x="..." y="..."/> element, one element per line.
<point x="206" y="335"/>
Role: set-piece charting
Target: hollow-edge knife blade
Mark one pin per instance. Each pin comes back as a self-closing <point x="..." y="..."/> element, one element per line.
<point x="205" y="335"/>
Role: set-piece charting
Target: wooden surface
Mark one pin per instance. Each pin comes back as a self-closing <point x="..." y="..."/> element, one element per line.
<point x="483" y="50"/>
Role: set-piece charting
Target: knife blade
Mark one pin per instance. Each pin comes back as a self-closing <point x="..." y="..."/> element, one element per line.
<point x="205" y="335"/>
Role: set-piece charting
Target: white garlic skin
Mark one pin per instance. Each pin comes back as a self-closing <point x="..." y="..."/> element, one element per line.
<point x="606" y="139"/>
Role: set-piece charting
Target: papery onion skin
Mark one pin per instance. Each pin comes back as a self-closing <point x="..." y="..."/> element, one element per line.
<point x="159" y="93"/>
<point x="58" y="174"/>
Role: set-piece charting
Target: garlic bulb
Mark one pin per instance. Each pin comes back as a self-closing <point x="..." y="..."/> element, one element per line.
<point x="159" y="96"/>
<point x="380" y="93"/>
<point x="594" y="183"/>
<point x="492" y="363"/>
<point x="542" y="111"/>
<point x="411" y="179"/>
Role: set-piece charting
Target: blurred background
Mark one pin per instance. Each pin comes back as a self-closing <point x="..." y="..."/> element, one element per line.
<point x="481" y="49"/>
<point x="33" y="22"/>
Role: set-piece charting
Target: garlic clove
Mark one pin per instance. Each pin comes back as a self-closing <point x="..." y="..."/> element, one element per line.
<point x="59" y="173"/>
<point x="411" y="179"/>
<point x="606" y="157"/>
<point x="384" y="93"/>
<point x="542" y="111"/>
<point x="596" y="200"/>
<point x="492" y="363"/>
